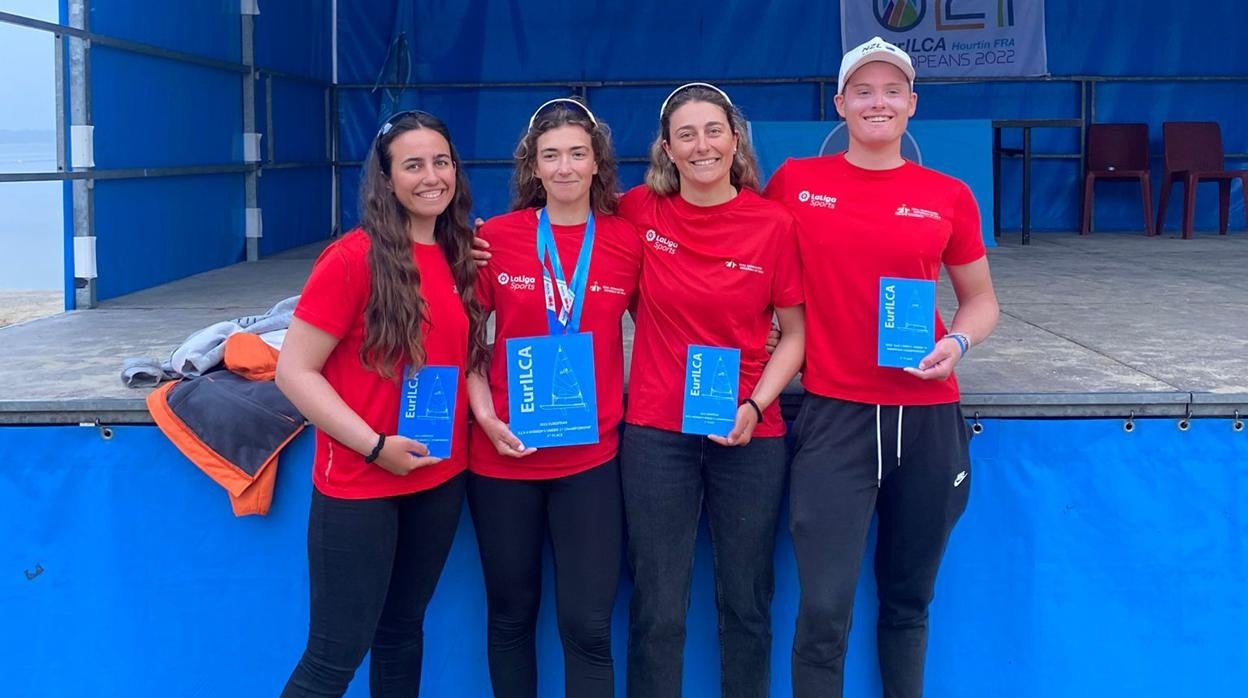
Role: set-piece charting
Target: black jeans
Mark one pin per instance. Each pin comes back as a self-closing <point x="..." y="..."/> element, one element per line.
<point x="583" y="514"/>
<point x="667" y="477"/>
<point x="372" y="567"/>
<point x="846" y="467"/>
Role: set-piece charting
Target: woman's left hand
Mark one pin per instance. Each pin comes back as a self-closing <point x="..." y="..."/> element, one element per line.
<point x="742" y="429"/>
<point x="939" y="364"/>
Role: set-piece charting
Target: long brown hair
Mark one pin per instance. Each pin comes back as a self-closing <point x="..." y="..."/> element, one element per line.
<point x="662" y="176"/>
<point x="396" y="310"/>
<point x="604" y="192"/>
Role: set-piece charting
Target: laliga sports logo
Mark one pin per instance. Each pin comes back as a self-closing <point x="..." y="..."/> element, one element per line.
<point x="517" y="282"/>
<point x="899" y="15"/>
<point x="816" y="200"/>
<point x="661" y="243"/>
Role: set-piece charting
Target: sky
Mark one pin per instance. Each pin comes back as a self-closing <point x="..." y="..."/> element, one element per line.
<point x="26" y="68"/>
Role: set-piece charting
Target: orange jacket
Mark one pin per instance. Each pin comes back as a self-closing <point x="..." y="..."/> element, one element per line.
<point x="233" y="423"/>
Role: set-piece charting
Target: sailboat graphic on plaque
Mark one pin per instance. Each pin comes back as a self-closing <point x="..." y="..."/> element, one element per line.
<point x="551" y="393"/>
<point x="425" y="407"/>
<point x="723" y="386"/>
<point x="710" y="404"/>
<point x="907" y="313"/>
<point x="918" y="318"/>
<point x="437" y="407"/>
<point x="565" y="389"/>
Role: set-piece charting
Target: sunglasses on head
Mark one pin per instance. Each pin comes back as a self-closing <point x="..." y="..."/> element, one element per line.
<point x="389" y="123"/>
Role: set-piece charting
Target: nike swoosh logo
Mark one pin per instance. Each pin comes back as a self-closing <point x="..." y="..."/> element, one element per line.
<point x="958" y="480"/>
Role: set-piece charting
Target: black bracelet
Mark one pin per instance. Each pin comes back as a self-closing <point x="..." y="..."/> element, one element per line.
<point x="381" y="441"/>
<point x="750" y="401"/>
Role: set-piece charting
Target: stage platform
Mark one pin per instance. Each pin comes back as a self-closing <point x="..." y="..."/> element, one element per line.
<point x="1110" y="325"/>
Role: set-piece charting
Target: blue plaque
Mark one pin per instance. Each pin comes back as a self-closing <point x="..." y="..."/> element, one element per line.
<point x="427" y="407"/>
<point x="712" y="375"/>
<point x="552" y="398"/>
<point x="907" y="321"/>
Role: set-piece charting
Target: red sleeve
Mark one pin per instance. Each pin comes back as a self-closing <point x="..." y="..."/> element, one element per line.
<point x="775" y="186"/>
<point x="336" y="293"/>
<point x="966" y="244"/>
<point x="786" y="286"/>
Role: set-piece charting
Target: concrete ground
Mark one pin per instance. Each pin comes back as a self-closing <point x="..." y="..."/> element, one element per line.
<point x="1107" y="325"/>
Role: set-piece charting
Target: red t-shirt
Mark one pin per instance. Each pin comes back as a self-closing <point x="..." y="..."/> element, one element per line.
<point x="711" y="275"/>
<point x="858" y="226"/>
<point x="334" y="300"/>
<point x="511" y="286"/>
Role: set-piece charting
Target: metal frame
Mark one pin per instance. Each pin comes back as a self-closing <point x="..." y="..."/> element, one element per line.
<point x="82" y="188"/>
<point x="1087" y="115"/>
<point x="75" y="41"/>
<point x="1125" y="406"/>
<point x="73" y="44"/>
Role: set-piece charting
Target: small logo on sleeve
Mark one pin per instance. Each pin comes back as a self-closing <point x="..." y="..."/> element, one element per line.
<point x="958" y="480"/>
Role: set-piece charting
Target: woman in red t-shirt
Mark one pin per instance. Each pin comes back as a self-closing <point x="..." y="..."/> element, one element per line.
<point x="384" y="301"/>
<point x="719" y="261"/>
<point x="565" y="181"/>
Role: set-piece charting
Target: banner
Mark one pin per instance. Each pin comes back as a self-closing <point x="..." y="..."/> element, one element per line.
<point x="954" y="38"/>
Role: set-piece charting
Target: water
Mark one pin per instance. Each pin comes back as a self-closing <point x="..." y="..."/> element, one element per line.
<point x="31" y="230"/>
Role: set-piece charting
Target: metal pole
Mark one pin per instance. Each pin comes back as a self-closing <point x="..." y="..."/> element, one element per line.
<point x="83" y="189"/>
<point x="58" y="45"/>
<point x="1026" y="185"/>
<point x="268" y="120"/>
<point x="336" y="176"/>
<point x="249" y="124"/>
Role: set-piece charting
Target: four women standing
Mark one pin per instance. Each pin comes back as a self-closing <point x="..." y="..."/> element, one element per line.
<point x="703" y="261"/>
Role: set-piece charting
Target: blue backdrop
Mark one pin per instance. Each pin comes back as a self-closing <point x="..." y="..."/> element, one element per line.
<point x="151" y="112"/>
<point x="481" y="43"/>
<point x="1090" y="562"/>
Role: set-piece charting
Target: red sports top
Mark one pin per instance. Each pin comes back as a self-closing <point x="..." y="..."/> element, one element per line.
<point x="858" y="226"/>
<point x="711" y="275"/>
<point x="511" y="286"/>
<point x="334" y="300"/>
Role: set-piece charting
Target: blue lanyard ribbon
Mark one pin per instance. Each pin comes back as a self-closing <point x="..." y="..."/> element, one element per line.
<point x="568" y="318"/>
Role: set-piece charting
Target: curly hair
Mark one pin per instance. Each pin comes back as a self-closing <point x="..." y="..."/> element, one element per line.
<point x="603" y="191"/>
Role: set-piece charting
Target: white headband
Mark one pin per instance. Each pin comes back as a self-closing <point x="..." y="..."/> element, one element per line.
<point x="686" y="86"/>
<point x="563" y="100"/>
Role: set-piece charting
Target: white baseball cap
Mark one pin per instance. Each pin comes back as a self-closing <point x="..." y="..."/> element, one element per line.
<point x="875" y="49"/>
